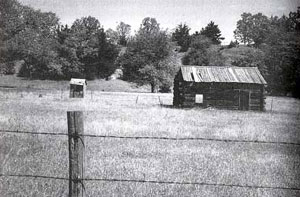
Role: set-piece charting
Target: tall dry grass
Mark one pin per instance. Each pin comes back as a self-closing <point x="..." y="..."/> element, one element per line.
<point x="118" y="114"/>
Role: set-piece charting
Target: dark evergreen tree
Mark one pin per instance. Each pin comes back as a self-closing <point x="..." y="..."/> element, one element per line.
<point x="212" y="32"/>
<point x="233" y="44"/>
<point x="182" y="37"/>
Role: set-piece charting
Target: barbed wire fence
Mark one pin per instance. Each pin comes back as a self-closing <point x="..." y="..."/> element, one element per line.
<point x="76" y="147"/>
<point x="135" y="98"/>
<point x="91" y="95"/>
<point x="76" y="158"/>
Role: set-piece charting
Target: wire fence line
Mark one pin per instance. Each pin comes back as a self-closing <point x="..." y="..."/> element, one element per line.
<point x="134" y="98"/>
<point x="34" y="176"/>
<point x="156" y="182"/>
<point x="98" y="95"/>
<point x="144" y="181"/>
<point x="157" y="138"/>
<point x="89" y="94"/>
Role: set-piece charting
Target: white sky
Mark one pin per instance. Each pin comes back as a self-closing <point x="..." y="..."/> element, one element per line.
<point x="169" y="13"/>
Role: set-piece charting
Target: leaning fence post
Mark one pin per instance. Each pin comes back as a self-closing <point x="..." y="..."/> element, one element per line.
<point x="76" y="148"/>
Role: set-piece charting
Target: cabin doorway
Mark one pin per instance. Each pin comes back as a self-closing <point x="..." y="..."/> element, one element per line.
<point x="244" y="100"/>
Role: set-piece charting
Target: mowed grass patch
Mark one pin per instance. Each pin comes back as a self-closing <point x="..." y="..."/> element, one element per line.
<point x="158" y="160"/>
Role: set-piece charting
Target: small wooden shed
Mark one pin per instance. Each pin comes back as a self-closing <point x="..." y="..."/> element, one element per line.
<point x="77" y="88"/>
<point x="237" y="88"/>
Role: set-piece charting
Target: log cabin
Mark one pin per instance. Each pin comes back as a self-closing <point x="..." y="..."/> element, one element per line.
<point x="234" y="88"/>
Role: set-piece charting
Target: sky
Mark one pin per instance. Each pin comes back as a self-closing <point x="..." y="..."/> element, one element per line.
<point x="169" y="13"/>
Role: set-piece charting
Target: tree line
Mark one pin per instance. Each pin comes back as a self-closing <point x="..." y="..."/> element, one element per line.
<point x="50" y="50"/>
<point x="272" y="43"/>
<point x="278" y="41"/>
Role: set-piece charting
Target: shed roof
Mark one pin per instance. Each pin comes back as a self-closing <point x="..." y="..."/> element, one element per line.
<point x="78" y="81"/>
<point x="222" y="74"/>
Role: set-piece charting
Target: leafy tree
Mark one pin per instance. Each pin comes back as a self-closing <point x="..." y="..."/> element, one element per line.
<point x="84" y="40"/>
<point x="86" y="27"/>
<point x="149" y="27"/>
<point x="39" y="54"/>
<point x="112" y="36"/>
<point x="63" y="32"/>
<point x="203" y="53"/>
<point x="123" y="31"/>
<point x="71" y="65"/>
<point x="215" y="57"/>
<point x="260" y="29"/>
<point x="282" y="59"/>
<point x="16" y="20"/>
<point x="29" y="35"/>
<point x="145" y="58"/>
<point x="243" y="29"/>
<point x="7" y="68"/>
<point x="50" y="50"/>
<point x="107" y="55"/>
<point x="252" y="29"/>
<point x="182" y="37"/>
<point x="88" y="48"/>
<point x="278" y="39"/>
<point x="10" y="19"/>
<point x="9" y="26"/>
<point x="198" y="53"/>
<point x="294" y="18"/>
<point x="196" y="57"/>
<point x="250" y="57"/>
<point x="201" y="42"/>
<point x="212" y="32"/>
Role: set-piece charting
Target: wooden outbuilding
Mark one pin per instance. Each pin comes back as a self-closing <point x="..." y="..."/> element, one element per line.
<point x="77" y="88"/>
<point x="236" y="88"/>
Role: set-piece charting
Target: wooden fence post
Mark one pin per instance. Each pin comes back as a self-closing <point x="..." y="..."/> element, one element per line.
<point x="76" y="148"/>
<point x="272" y="105"/>
<point x="160" y="103"/>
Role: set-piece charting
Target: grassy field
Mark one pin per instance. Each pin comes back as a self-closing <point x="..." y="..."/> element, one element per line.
<point x="11" y="82"/>
<point x="138" y="114"/>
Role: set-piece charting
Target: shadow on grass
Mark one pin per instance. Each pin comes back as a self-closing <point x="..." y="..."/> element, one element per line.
<point x="169" y="106"/>
<point x="8" y="87"/>
<point x="182" y="108"/>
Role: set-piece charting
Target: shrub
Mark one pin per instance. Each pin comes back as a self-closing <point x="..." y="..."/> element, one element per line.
<point x="7" y="68"/>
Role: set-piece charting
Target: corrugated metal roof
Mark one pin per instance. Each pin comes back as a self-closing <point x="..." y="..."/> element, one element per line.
<point x="222" y="74"/>
<point x="78" y="81"/>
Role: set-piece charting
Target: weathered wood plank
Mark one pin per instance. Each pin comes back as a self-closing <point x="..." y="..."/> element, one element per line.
<point x="75" y="140"/>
